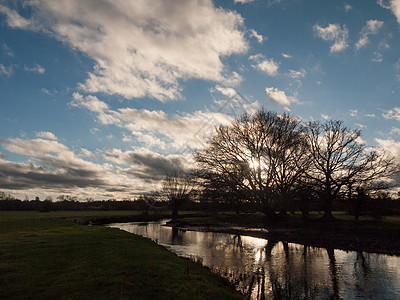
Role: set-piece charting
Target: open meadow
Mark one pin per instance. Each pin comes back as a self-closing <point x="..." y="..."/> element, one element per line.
<point x="46" y="256"/>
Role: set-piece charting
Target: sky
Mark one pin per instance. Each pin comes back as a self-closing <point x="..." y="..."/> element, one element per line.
<point x="101" y="99"/>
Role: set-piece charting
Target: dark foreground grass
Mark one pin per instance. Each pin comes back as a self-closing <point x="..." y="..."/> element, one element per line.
<point x="44" y="257"/>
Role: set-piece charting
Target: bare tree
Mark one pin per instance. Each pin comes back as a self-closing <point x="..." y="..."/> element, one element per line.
<point x="177" y="188"/>
<point x="260" y="154"/>
<point x="289" y="158"/>
<point x="339" y="159"/>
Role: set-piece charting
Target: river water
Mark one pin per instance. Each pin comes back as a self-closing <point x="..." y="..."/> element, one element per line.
<point x="262" y="269"/>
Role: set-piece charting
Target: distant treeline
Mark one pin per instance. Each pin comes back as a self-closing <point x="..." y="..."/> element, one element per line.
<point x="46" y="205"/>
<point x="383" y="206"/>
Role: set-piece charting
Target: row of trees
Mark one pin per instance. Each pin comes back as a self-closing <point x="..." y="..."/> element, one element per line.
<point x="267" y="159"/>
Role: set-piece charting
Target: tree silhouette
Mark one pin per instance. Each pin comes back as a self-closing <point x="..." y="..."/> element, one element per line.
<point x="339" y="159"/>
<point x="177" y="188"/>
<point x="260" y="155"/>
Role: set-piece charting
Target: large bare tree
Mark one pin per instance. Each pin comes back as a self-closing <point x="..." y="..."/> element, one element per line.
<point x="339" y="159"/>
<point x="260" y="154"/>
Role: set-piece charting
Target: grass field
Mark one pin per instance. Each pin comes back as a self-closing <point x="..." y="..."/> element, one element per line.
<point x="44" y="256"/>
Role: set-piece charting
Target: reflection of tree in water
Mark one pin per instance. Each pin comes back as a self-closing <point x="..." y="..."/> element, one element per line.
<point x="176" y="236"/>
<point x="333" y="272"/>
<point x="263" y="269"/>
<point x="294" y="272"/>
<point x="372" y="278"/>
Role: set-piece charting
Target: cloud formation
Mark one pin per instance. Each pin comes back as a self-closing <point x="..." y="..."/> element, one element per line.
<point x="257" y="36"/>
<point x="35" y="69"/>
<point x="7" y="71"/>
<point x="155" y="128"/>
<point x="268" y="66"/>
<point x="296" y="74"/>
<point x="242" y="1"/>
<point x="149" y="165"/>
<point x="393" y="5"/>
<point x="279" y="97"/>
<point x="336" y="33"/>
<point x="134" y="43"/>
<point x="46" y="135"/>
<point x="54" y="168"/>
<point x="393" y="113"/>
<point x="51" y="165"/>
<point x="371" y="27"/>
<point x="391" y="146"/>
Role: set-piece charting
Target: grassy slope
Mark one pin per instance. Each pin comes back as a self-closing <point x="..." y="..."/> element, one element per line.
<point x="44" y="257"/>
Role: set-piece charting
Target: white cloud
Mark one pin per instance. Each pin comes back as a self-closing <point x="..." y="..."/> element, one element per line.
<point x="242" y="1"/>
<point x="370" y="115"/>
<point x="235" y="103"/>
<point x="360" y="125"/>
<point x="45" y="91"/>
<point x="397" y="65"/>
<point x="296" y="74"/>
<point x="15" y="20"/>
<point x="393" y="113"/>
<point x="360" y="141"/>
<point x="353" y="112"/>
<point x="7" y="71"/>
<point x="53" y="167"/>
<point x="393" y="5"/>
<point x="141" y="48"/>
<point x="347" y="7"/>
<point x="156" y="128"/>
<point x="145" y="164"/>
<point x="285" y="55"/>
<point x="87" y="153"/>
<point x="94" y="130"/>
<point x="257" y="36"/>
<point x="92" y="103"/>
<point x="390" y="145"/>
<point x="234" y="80"/>
<point x="268" y="66"/>
<point x="371" y="27"/>
<point x="325" y="117"/>
<point x="272" y="2"/>
<point x="229" y="92"/>
<point x="46" y="135"/>
<point x="395" y="130"/>
<point x="35" y="69"/>
<point x="378" y="57"/>
<point x="7" y="50"/>
<point x="333" y="32"/>
<point x="279" y="97"/>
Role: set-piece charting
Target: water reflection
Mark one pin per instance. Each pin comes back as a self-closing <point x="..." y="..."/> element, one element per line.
<point x="264" y="269"/>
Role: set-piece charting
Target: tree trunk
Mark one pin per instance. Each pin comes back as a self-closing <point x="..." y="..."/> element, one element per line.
<point x="328" y="208"/>
<point x="284" y="206"/>
<point x="174" y="214"/>
<point x="270" y="215"/>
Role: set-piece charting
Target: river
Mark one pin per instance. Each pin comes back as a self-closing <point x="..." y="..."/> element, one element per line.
<point x="262" y="269"/>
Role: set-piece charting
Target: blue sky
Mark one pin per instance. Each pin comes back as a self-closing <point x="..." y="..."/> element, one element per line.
<point x="103" y="98"/>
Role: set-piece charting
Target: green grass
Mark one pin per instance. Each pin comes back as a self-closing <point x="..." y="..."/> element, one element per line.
<point x="43" y="256"/>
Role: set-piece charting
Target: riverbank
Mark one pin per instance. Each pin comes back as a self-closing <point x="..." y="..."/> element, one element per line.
<point x="342" y="233"/>
<point x="46" y="256"/>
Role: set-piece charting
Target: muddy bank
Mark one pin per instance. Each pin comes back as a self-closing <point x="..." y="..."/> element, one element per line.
<point x="352" y="239"/>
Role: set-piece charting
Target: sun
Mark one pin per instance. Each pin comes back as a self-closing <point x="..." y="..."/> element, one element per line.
<point x="254" y="164"/>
